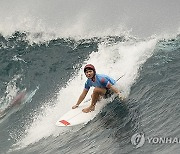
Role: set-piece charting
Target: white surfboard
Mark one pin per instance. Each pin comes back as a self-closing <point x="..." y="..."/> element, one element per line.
<point x="75" y="116"/>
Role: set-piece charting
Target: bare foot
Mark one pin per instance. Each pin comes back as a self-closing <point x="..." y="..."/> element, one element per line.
<point x="75" y="106"/>
<point x="88" y="109"/>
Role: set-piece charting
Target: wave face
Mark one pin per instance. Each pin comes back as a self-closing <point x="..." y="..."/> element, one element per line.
<point x="43" y="50"/>
<point x="151" y="83"/>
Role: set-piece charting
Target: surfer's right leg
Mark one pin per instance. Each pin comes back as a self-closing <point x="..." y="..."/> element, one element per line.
<point x="97" y="93"/>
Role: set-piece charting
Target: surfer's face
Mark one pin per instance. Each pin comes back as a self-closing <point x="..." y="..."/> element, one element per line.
<point x="89" y="74"/>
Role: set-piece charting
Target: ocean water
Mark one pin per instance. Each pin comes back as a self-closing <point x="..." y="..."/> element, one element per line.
<point x="47" y="59"/>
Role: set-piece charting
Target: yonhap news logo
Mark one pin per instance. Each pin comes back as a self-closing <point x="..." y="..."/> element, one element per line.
<point x="139" y="139"/>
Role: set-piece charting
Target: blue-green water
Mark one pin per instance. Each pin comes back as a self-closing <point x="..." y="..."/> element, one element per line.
<point x="43" y="49"/>
<point x="151" y="83"/>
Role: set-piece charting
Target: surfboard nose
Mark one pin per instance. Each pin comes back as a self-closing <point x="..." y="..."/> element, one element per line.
<point x="66" y="123"/>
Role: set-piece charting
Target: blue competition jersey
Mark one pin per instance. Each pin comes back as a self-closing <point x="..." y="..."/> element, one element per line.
<point x="102" y="81"/>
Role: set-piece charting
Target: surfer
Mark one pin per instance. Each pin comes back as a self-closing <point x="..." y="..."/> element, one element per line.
<point x="16" y="102"/>
<point x="104" y="87"/>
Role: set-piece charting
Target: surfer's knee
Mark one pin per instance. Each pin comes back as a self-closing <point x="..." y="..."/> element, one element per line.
<point x="98" y="90"/>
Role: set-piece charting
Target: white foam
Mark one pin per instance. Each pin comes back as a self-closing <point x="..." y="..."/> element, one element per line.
<point x="40" y="30"/>
<point x="78" y="18"/>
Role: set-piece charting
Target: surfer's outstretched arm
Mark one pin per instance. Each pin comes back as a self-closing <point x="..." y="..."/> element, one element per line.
<point x="115" y="90"/>
<point x="81" y="98"/>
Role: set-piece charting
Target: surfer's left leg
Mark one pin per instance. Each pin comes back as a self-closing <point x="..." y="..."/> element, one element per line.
<point x="100" y="97"/>
<point x="97" y="93"/>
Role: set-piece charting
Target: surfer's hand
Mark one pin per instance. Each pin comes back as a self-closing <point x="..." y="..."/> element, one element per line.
<point x="75" y="106"/>
<point x="121" y="97"/>
<point x="88" y="109"/>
